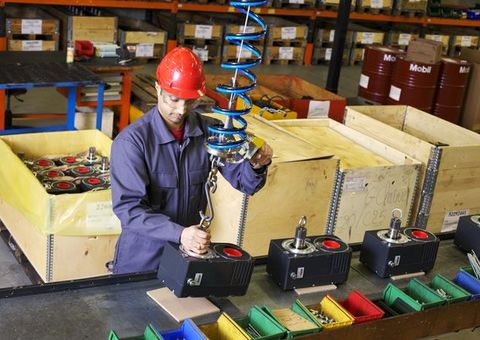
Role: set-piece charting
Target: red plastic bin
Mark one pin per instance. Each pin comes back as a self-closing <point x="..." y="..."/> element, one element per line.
<point x="361" y="308"/>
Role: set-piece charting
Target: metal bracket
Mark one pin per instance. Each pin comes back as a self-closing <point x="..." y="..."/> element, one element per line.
<point x="335" y="203"/>
<point x="409" y="219"/>
<point x="242" y="220"/>
<point x="428" y="188"/>
<point x="49" y="267"/>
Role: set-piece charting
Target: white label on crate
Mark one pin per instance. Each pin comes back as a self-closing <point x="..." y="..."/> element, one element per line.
<point x="144" y="50"/>
<point x="376" y="3"/>
<point x="466" y="41"/>
<point x="328" y="54"/>
<point x="367" y="37"/>
<point x="203" y="31"/>
<point x="318" y="109"/>
<point x="100" y="216"/>
<point x="355" y="184"/>
<point x="32" y="45"/>
<point x="451" y="219"/>
<point x="332" y="36"/>
<point x="301" y="2"/>
<point x="31" y="26"/>
<point x="244" y="53"/>
<point x="285" y="53"/>
<point x="404" y="39"/>
<point x="202" y="53"/>
<point x="436" y="37"/>
<point x="395" y="93"/>
<point x="364" y="81"/>
<point x="289" y="33"/>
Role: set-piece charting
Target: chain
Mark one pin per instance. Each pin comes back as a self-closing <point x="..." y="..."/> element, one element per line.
<point x="210" y="187"/>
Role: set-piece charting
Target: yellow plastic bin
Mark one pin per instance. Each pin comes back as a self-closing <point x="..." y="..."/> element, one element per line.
<point x="225" y="328"/>
<point x="332" y="309"/>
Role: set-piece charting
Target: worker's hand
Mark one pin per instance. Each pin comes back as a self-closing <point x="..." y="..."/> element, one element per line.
<point x="195" y="239"/>
<point x="262" y="157"/>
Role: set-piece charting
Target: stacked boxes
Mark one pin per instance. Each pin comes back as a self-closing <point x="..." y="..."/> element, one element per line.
<point x="31" y="30"/>
<point x="230" y="52"/>
<point x="286" y="43"/>
<point x="146" y="41"/>
<point x="375" y="6"/>
<point x="362" y="37"/>
<point x="322" y="51"/>
<point x="204" y="40"/>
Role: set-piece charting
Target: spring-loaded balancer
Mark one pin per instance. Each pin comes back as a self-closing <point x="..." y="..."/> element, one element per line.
<point x="227" y="143"/>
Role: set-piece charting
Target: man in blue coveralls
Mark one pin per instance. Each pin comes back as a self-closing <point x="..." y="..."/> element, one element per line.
<point x="159" y="166"/>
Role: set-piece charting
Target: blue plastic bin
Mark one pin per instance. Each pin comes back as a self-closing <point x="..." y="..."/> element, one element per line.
<point x="468" y="282"/>
<point x="188" y="331"/>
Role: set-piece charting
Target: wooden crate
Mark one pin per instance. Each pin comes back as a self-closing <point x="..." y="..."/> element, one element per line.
<point x="92" y="28"/>
<point x="372" y="180"/>
<point x="98" y="29"/>
<point x="375" y="6"/>
<point x="368" y="38"/>
<point x="29" y="21"/>
<point x="32" y="45"/>
<point x="450" y="176"/>
<point x="400" y="39"/>
<point x="230" y="53"/>
<point x="284" y="55"/>
<point x="64" y="236"/>
<point x="299" y="182"/>
<point x="188" y="31"/>
<point x="31" y="29"/>
<point x="56" y="257"/>
<point x="303" y="97"/>
<point x="145" y="40"/>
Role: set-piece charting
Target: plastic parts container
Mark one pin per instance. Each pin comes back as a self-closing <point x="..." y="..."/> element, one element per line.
<point x="417" y="296"/>
<point x="263" y="324"/>
<point x="469" y="283"/>
<point x="456" y="292"/>
<point x="361" y="308"/>
<point x="149" y="334"/>
<point x="187" y="331"/>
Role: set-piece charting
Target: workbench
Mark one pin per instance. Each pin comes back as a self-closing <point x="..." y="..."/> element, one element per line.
<point x="87" y="72"/>
<point x="90" y="313"/>
<point x="18" y="73"/>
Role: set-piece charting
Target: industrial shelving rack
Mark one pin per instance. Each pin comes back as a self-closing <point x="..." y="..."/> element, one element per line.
<point x="174" y="6"/>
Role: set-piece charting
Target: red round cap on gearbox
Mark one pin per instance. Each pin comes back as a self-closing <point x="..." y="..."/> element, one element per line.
<point x="180" y="73"/>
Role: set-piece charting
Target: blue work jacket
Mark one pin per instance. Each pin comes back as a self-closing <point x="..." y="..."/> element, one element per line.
<point x="158" y="186"/>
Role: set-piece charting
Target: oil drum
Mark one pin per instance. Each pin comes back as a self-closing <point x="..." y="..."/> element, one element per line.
<point x="376" y="72"/>
<point x="451" y="89"/>
<point x="414" y="84"/>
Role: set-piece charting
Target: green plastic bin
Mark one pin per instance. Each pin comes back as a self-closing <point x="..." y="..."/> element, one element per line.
<point x="149" y="334"/>
<point x="456" y="292"/>
<point x="263" y="323"/>
<point x="298" y="308"/>
<point x="417" y="296"/>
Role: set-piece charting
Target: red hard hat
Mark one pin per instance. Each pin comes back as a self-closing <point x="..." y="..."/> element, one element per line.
<point x="180" y="73"/>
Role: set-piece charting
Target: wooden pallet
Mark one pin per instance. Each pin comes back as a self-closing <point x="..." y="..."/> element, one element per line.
<point x="287" y="43"/>
<point x="270" y="61"/>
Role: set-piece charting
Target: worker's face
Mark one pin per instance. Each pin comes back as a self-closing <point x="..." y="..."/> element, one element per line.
<point x="174" y="110"/>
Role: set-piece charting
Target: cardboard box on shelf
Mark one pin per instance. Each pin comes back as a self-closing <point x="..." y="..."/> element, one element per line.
<point x="424" y="51"/>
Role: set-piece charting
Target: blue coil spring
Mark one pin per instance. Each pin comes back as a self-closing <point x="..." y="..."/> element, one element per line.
<point x="227" y="136"/>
